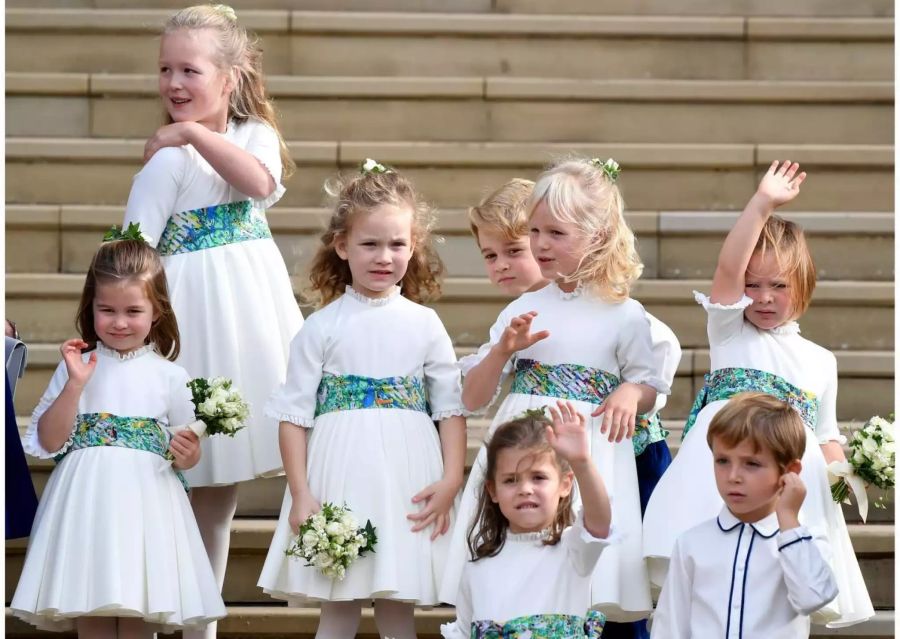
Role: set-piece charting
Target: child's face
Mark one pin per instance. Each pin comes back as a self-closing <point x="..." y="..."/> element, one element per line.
<point x="123" y="315"/>
<point x="770" y="290"/>
<point x="510" y="265"/>
<point x="378" y="248"/>
<point x="557" y="246"/>
<point x="527" y="485"/>
<point x="748" y="480"/>
<point x="192" y="87"/>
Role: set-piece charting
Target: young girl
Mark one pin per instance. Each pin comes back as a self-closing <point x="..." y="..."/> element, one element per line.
<point x="115" y="549"/>
<point x="579" y="338"/>
<point x="367" y="375"/>
<point x="211" y="172"/>
<point x="533" y="559"/>
<point x="763" y="282"/>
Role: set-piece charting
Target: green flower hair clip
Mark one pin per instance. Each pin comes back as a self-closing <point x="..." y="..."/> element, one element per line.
<point x="610" y="168"/>
<point x="535" y="413"/>
<point x="371" y="167"/>
<point x="225" y="10"/>
<point x="133" y="232"/>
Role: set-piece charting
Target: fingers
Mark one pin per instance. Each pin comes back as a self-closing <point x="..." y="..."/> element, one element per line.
<point x="772" y="168"/>
<point x="795" y="184"/>
<point x="441" y="526"/>
<point x="599" y="410"/>
<point x="424" y="494"/>
<point x="425" y="523"/>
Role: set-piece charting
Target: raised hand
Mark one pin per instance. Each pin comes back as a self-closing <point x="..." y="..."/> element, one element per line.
<point x="518" y="336"/>
<point x="619" y="411"/>
<point x="438" y="498"/>
<point x="781" y="184"/>
<point x="176" y="134"/>
<point x="79" y="371"/>
<point x="568" y="435"/>
<point x="790" y="496"/>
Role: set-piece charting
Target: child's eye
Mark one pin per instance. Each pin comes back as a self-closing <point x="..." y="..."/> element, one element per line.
<point x="751" y="285"/>
<point x="163" y="69"/>
<point x="490" y="257"/>
<point x="533" y="231"/>
<point x="754" y="464"/>
<point x="780" y="285"/>
<point x="515" y="251"/>
<point x="555" y="232"/>
<point x="720" y="461"/>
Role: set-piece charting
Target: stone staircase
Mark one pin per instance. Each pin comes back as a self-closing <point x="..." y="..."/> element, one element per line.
<point x="694" y="98"/>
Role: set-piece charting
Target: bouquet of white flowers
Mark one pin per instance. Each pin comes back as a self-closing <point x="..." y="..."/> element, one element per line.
<point x="219" y="408"/>
<point x="331" y="540"/>
<point x="871" y="463"/>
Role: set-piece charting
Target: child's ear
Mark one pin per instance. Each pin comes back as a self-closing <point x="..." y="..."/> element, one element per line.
<point x="565" y="483"/>
<point x="794" y="467"/>
<point x="340" y="246"/>
<point x="492" y="489"/>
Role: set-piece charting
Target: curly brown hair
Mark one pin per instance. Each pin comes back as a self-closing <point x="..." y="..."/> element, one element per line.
<point x="487" y="534"/>
<point x="360" y="195"/>
<point x="128" y="262"/>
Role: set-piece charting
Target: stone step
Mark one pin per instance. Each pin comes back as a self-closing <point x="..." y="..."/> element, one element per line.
<point x="250" y="539"/>
<point x="280" y="622"/>
<point x="482" y="109"/>
<point x="672" y="244"/>
<point x="263" y="497"/>
<point x="810" y="8"/>
<point x="44" y="304"/>
<point x="441" y="44"/>
<point x="456" y="174"/>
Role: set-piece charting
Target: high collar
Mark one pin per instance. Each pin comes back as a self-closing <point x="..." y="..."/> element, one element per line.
<point x="372" y="301"/>
<point x="566" y="295"/>
<point x="788" y="328"/>
<point x="766" y="527"/>
<point x="103" y="349"/>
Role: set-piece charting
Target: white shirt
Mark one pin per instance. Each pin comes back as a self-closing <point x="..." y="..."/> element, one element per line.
<point x="732" y="580"/>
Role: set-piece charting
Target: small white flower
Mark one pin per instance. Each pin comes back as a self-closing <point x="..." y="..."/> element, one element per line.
<point x="310" y="539"/>
<point x="369" y="164"/>
<point x="334" y="528"/>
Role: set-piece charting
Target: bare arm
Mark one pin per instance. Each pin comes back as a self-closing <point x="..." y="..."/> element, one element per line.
<point x="292" y="441"/>
<point x="778" y="186"/>
<point x="438" y="497"/>
<point x="56" y="424"/>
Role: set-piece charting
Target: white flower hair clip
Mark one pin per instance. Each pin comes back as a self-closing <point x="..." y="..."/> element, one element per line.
<point x="610" y="168"/>
<point x="371" y="167"/>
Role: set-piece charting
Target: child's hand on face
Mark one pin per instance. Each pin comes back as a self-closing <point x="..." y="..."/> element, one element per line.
<point x="791" y="493"/>
<point x="780" y="184"/>
<point x="79" y="371"/>
<point x="568" y="435"/>
<point x="185" y="448"/>
<point x="619" y="411"/>
<point x="175" y="134"/>
<point x="518" y="336"/>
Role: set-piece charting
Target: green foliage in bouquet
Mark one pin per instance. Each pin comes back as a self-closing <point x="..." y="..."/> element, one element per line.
<point x="218" y="405"/>
<point x="331" y="540"/>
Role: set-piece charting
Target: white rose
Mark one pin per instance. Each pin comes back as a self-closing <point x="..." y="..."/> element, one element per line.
<point x="310" y="539"/>
<point x="869" y="446"/>
<point x="318" y="521"/>
<point x="323" y="560"/>
<point x="334" y="528"/>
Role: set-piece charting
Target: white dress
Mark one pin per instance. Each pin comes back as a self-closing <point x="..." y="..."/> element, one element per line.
<point x="588" y="332"/>
<point x="373" y="459"/>
<point x="687" y="495"/>
<point x="233" y="299"/>
<point x="114" y="533"/>
<point x="531" y="580"/>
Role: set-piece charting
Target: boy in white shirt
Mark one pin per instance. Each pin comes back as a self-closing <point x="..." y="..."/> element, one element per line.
<point x="753" y="571"/>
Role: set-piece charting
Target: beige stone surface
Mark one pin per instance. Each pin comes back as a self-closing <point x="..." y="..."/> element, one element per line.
<point x="47" y="116"/>
<point x="815" y="60"/>
<point x="705" y="7"/>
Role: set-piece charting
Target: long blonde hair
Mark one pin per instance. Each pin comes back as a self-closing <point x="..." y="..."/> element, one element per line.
<point x="360" y="195"/>
<point x="577" y="191"/>
<point x="238" y="54"/>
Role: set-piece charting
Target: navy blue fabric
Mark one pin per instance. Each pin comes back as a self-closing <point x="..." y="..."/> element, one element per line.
<point x="651" y="464"/>
<point x="21" y="500"/>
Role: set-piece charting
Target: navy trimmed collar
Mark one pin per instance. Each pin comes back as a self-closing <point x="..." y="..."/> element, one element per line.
<point x="766" y="527"/>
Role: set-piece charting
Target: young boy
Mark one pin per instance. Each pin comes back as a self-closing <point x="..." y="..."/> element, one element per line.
<point x="500" y="226"/>
<point x="753" y="571"/>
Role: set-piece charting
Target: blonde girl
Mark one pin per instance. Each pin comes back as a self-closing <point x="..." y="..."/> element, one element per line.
<point x="115" y="550"/>
<point x="211" y="172"/>
<point x="368" y="373"/>
<point x="763" y="283"/>
<point x="580" y="338"/>
<point x="532" y="556"/>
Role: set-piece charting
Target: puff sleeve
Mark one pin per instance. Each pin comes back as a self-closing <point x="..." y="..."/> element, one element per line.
<point x="154" y="191"/>
<point x="263" y="144"/>
<point x="442" y="379"/>
<point x="30" y="441"/>
<point x="295" y="400"/>
<point x="723" y="321"/>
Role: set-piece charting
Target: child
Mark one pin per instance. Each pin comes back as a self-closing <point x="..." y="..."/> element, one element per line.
<point x="368" y="372"/>
<point x="763" y="282"/>
<point x="500" y="226"/>
<point x="533" y="558"/>
<point x="115" y="548"/>
<point x="717" y="587"/>
<point x="210" y="173"/>
<point x="591" y="344"/>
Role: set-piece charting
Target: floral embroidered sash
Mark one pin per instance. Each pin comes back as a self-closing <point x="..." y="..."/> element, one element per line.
<point x="106" y="429"/>
<point x="211" y="227"/>
<point x="584" y="384"/>
<point x="725" y="383"/>
<point x="352" y="392"/>
<point x="548" y="626"/>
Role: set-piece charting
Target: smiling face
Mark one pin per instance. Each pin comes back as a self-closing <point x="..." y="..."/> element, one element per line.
<point x="377" y="248"/>
<point x="123" y="315"/>
<point x="528" y="485"/>
<point x="510" y="265"/>
<point x="747" y="479"/>
<point x="770" y="290"/>
<point x="191" y="86"/>
<point x="557" y="246"/>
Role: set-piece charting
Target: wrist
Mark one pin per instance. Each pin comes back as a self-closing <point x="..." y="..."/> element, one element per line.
<point x="72" y="386"/>
<point x="498" y="351"/>
<point x="787" y="520"/>
<point x="763" y="204"/>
